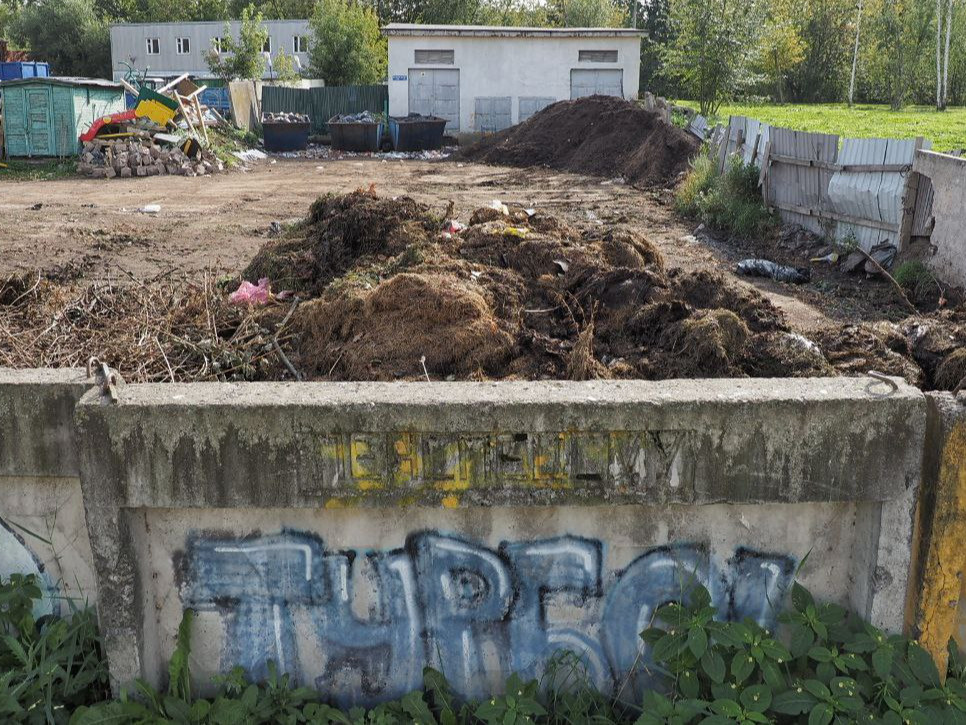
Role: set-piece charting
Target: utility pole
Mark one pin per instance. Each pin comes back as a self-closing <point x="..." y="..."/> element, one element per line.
<point x="855" y="55"/>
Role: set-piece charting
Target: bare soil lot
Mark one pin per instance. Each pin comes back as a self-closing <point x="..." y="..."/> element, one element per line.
<point x="147" y="293"/>
<point x="91" y="229"/>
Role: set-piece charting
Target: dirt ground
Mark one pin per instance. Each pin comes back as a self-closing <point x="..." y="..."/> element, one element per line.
<point x="91" y="229"/>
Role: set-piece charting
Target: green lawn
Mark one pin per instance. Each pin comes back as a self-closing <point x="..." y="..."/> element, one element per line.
<point x="947" y="130"/>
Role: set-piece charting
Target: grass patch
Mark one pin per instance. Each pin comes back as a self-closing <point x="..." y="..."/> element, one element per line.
<point x="46" y="170"/>
<point x="728" y="202"/>
<point x="946" y="130"/>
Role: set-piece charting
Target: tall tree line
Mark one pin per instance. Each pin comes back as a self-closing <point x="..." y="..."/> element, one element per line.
<point x="868" y="51"/>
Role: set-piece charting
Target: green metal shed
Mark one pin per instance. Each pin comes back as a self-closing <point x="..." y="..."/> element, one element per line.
<point x="46" y="116"/>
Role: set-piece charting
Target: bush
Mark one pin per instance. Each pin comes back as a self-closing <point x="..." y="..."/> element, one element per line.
<point x="48" y="666"/>
<point x="728" y="202"/>
<point x="916" y="279"/>
<point x="825" y="666"/>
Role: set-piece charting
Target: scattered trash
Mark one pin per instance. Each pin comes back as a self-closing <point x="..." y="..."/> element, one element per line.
<point x="500" y="207"/>
<point x="284" y="117"/>
<point x="779" y="272"/>
<point x="831" y="258"/>
<point x="150" y="209"/>
<point x="515" y="232"/>
<point x="250" y="294"/>
<point x="249" y="155"/>
<point x="36" y="207"/>
<point x="361" y="117"/>
<point x="453" y="226"/>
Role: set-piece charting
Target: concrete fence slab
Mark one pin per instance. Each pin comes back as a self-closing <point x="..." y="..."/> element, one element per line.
<point x="354" y="533"/>
<point x="43" y="529"/>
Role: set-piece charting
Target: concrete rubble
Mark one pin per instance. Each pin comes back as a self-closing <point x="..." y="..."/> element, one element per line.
<point x="142" y="155"/>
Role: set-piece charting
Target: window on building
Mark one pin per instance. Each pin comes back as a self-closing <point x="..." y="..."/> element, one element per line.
<point x="267" y="45"/>
<point x="154" y="46"/>
<point x="597" y="56"/>
<point x="300" y="44"/>
<point x="218" y="45"/>
<point x="184" y="46"/>
<point x="434" y="57"/>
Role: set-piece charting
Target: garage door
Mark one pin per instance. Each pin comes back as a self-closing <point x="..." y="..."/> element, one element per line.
<point x="491" y="114"/>
<point x="436" y="92"/>
<point x="587" y="82"/>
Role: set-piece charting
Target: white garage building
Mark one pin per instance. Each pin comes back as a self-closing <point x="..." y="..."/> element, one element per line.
<point x="483" y="79"/>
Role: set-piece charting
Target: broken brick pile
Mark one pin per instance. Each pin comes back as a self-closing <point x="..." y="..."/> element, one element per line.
<point x="142" y="155"/>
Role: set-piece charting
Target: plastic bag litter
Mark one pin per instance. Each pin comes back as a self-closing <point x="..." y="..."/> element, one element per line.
<point x="453" y="226"/>
<point x="779" y="272"/>
<point x="250" y="294"/>
<point x="515" y="232"/>
<point x="500" y="207"/>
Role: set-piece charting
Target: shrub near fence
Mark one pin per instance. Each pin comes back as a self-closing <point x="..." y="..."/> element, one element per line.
<point x="321" y="104"/>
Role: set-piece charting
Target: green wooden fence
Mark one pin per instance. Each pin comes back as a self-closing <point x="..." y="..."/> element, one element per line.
<point x="321" y="104"/>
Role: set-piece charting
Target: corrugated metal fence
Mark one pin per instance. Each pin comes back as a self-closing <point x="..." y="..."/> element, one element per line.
<point x="321" y="104"/>
<point x="861" y="188"/>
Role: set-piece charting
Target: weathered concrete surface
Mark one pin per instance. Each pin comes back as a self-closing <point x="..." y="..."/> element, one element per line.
<point x="941" y="611"/>
<point x="43" y="529"/>
<point x="320" y="520"/>
<point x="948" y="174"/>
<point x="356" y="602"/>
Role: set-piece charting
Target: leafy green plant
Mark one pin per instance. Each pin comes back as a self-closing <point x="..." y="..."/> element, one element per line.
<point x="730" y="202"/>
<point x="50" y="665"/>
<point x="824" y="667"/>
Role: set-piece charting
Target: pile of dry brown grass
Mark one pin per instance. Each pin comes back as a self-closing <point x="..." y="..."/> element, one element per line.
<point x="163" y="329"/>
<point x="408" y="324"/>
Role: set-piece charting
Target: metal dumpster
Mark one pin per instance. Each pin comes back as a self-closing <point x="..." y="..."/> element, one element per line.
<point x="417" y="133"/>
<point x="355" y="135"/>
<point x="286" y="136"/>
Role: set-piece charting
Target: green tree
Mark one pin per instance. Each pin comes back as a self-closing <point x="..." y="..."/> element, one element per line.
<point x="713" y="47"/>
<point x="781" y="47"/>
<point x="584" y="14"/>
<point x="347" y="47"/>
<point x="68" y="34"/>
<point x="241" y="58"/>
<point x="283" y="68"/>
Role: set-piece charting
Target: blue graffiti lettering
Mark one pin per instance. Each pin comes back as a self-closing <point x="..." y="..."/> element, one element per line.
<point x="475" y="613"/>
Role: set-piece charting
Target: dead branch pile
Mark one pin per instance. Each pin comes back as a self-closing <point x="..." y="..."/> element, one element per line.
<point x="164" y="329"/>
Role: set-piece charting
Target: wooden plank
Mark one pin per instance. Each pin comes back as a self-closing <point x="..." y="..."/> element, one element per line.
<point x="910" y="195"/>
<point x="201" y="120"/>
<point x="837" y="216"/>
<point x="172" y="84"/>
<point x="129" y="88"/>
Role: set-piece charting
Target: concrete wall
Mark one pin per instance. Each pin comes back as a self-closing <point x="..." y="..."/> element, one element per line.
<point x="129" y="44"/>
<point x="43" y="529"/>
<point x="493" y="67"/>
<point x="948" y="175"/>
<point x="355" y="532"/>
<point x="941" y="563"/>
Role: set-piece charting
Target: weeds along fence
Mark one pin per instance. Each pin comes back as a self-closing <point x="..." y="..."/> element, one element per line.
<point x="321" y="104"/>
<point x="861" y="188"/>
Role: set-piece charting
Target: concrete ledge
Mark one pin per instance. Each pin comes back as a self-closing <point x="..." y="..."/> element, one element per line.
<point x="37" y="421"/>
<point x="740" y="441"/>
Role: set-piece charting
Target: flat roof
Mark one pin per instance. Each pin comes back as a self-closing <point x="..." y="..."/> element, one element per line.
<point x="415" y="29"/>
<point x="219" y="23"/>
<point x="64" y="81"/>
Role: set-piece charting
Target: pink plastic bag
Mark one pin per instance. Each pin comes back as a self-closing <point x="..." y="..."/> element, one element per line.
<point x="249" y="294"/>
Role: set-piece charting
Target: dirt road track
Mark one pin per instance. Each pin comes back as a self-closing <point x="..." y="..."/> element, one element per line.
<point x="93" y="228"/>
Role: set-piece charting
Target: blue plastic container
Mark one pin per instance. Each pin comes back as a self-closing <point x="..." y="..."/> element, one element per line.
<point x="286" y="136"/>
<point x="23" y="69"/>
